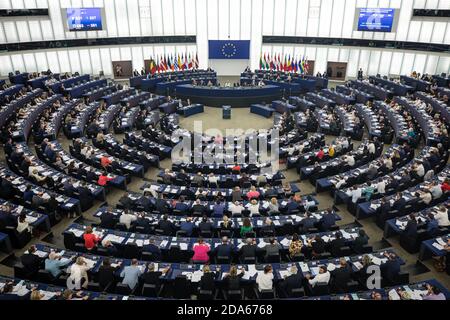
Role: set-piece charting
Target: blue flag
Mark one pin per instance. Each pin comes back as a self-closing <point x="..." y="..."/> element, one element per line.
<point x="229" y="49"/>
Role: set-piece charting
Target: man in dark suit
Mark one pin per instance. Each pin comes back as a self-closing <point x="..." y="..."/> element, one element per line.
<point x="125" y="201"/>
<point x="7" y="190"/>
<point x="187" y="226"/>
<point x="224" y="249"/>
<point x="146" y="202"/>
<point x="337" y="244"/>
<point x="392" y="184"/>
<point x="249" y="249"/>
<point x="9" y="146"/>
<point x="16" y="156"/>
<point x="166" y="226"/>
<point x="390" y="269"/>
<point x="182" y="206"/>
<point x="360" y="74"/>
<point x="183" y="176"/>
<point x="50" y="153"/>
<point x="292" y="205"/>
<point x="405" y="180"/>
<point x="142" y="222"/>
<point x="108" y="219"/>
<point x="308" y="222"/>
<point x="360" y="241"/>
<point x="85" y="196"/>
<point x="31" y="262"/>
<point x="399" y="203"/>
<point x="68" y="187"/>
<point x="411" y="226"/>
<point x="205" y="225"/>
<point x="105" y="273"/>
<point x="7" y="219"/>
<point x="161" y="205"/>
<point x="198" y="207"/>
<point x="328" y="220"/>
<point x="341" y="276"/>
<point x="293" y="281"/>
<point x="317" y="245"/>
<point x="153" y="249"/>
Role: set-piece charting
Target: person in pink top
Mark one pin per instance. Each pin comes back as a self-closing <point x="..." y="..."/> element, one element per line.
<point x="201" y="250"/>
<point x="252" y="194"/>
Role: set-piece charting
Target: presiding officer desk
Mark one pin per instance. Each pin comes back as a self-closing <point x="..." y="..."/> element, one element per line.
<point x="233" y="96"/>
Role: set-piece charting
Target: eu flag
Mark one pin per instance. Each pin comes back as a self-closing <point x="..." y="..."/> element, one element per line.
<point x="229" y="49"/>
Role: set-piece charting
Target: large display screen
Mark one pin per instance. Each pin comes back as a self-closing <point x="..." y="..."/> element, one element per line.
<point x="376" y="19"/>
<point x="84" y="19"/>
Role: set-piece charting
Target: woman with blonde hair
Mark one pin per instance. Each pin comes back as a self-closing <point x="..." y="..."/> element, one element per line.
<point x="36" y="295"/>
<point x="78" y="274"/>
<point x="254" y="208"/>
<point x="226" y="224"/>
<point x="232" y="278"/>
<point x="273" y="206"/>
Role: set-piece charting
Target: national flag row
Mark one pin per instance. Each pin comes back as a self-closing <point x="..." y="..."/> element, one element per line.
<point x="287" y="63"/>
<point x="177" y="62"/>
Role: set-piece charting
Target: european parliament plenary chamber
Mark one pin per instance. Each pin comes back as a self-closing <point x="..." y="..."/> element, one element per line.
<point x="224" y="158"/>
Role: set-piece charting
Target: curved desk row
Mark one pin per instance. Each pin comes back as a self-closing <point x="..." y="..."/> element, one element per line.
<point x="236" y="97"/>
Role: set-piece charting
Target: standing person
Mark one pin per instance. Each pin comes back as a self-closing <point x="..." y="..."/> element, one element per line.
<point x="78" y="274"/>
<point x="360" y="74"/>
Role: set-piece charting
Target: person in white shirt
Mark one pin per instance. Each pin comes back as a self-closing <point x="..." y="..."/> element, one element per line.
<point x="344" y="143"/>
<point x="212" y="179"/>
<point x="381" y="187"/>
<point x="371" y="148"/>
<point x="355" y="193"/>
<point x="127" y="218"/>
<point x="78" y="272"/>
<point x="420" y="170"/>
<point x="341" y="181"/>
<point x="33" y="172"/>
<point x="435" y="190"/>
<point x="388" y="163"/>
<point x="254" y="207"/>
<point x="85" y="151"/>
<point x="441" y="216"/>
<point x="264" y="280"/>
<point x="425" y="196"/>
<point x="322" y="277"/>
<point x="350" y="160"/>
<point x="236" y="208"/>
<point x="290" y="150"/>
<point x="22" y="224"/>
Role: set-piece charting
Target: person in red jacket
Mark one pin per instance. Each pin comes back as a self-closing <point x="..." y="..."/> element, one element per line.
<point x="320" y="154"/>
<point x="90" y="239"/>
<point x="236" y="168"/>
<point x="445" y="186"/>
<point x="103" y="179"/>
<point x="105" y="161"/>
